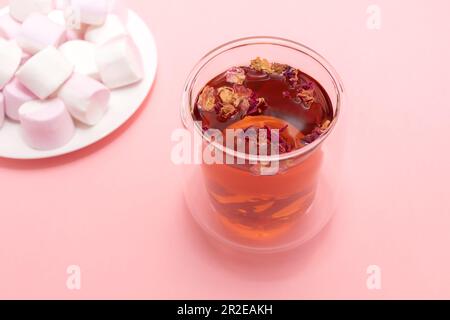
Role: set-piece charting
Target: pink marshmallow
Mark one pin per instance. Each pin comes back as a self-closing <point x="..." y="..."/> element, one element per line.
<point x="15" y="95"/>
<point x="21" y="9"/>
<point x="10" y="58"/>
<point x="88" y="11"/>
<point x="2" y="109"/>
<point x="86" y="99"/>
<point x="45" y="72"/>
<point x="9" y="28"/>
<point x="46" y="125"/>
<point x="119" y="63"/>
<point x="39" y="32"/>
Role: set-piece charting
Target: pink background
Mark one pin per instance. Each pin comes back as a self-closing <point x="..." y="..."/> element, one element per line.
<point x="116" y="209"/>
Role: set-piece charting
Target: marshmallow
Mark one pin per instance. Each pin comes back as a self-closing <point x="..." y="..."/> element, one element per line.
<point x="16" y="95"/>
<point x="57" y="16"/>
<point x="21" y="9"/>
<point x="9" y="28"/>
<point x="46" y="124"/>
<point x="82" y="55"/>
<point x="61" y="4"/>
<point x="86" y="99"/>
<point x="112" y="28"/>
<point x="119" y="63"/>
<point x="72" y="32"/>
<point x="39" y="32"/>
<point x="89" y="11"/>
<point x="45" y="72"/>
<point x="2" y="109"/>
<point x="10" y="58"/>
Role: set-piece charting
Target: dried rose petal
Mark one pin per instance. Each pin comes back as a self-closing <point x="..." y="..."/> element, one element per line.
<point x="207" y="99"/>
<point x="313" y="136"/>
<point x="263" y="65"/>
<point x="255" y="105"/>
<point x="226" y="112"/>
<point x="308" y="86"/>
<point x="242" y="91"/>
<point x="236" y="75"/>
<point x="292" y="76"/>
<point x="279" y="68"/>
<point x="226" y="95"/>
<point x="307" y="97"/>
<point x="325" y="125"/>
<point x="244" y="105"/>
<point x="317" y="132"/>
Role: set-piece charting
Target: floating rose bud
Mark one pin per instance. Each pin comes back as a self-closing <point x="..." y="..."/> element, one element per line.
<point x="207" y="99"/>
<point x="235" y="75"/>
<point x="226" y="112"/>
<point x="263" y="65"/>
<point x="226" y="95"/>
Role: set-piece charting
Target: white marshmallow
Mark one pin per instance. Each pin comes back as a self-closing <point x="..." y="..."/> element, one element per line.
<point x="82" y="55"/>
<point x="2" y="109"/>
<point x="21" y="9"/>
<point x="10" y="58"/>
<point x="45" y="72"/>
<point x="46" y="125"/>
<point x="73" y="32"/>
<point x="112" y="28"/>
<point x="39" y="32"/>
<point x="61" y="4"/>
<point x="9" y="27"/>
<point x="57" y="16"/>
<point x="86" y="99"/>
<point x="119" y="63"/>
<point x="87" y="11"/>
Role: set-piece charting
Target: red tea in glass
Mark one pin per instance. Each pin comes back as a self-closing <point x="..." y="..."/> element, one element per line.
<point x="265" y="96"/>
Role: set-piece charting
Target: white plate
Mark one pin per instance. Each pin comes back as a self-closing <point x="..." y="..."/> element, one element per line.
<point x="124" y="103"/>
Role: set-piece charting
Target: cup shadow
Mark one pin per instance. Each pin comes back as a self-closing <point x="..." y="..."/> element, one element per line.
<point x="256" y="267"/>
<point x="85" y="152"/>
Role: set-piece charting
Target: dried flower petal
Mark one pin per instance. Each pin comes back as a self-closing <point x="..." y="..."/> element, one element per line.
<point x="307" y="97"/>
<point x="263" y="65"/>
<point x="292" y="76"/>
<point x="244" y="105"/>
<point x="279" y="68"/>
<point x="226" y="112"/>
<point x="255" y="106"/>
<point x="242" y="91"/>
<point x="325" y="125"/>
<point x="317" y="132"/>
<point x="207" y="99"/>
<point x="227" y="95"/>
<point x="236" y="75"/>
<point x="313" y="136"/>
<point x="308" y="86"/>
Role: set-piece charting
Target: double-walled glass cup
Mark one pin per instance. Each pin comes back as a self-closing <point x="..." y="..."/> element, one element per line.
<point x="244" y="206"/>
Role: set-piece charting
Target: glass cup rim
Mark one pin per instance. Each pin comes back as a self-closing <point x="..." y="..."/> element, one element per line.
<point x="186" y="106"/>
